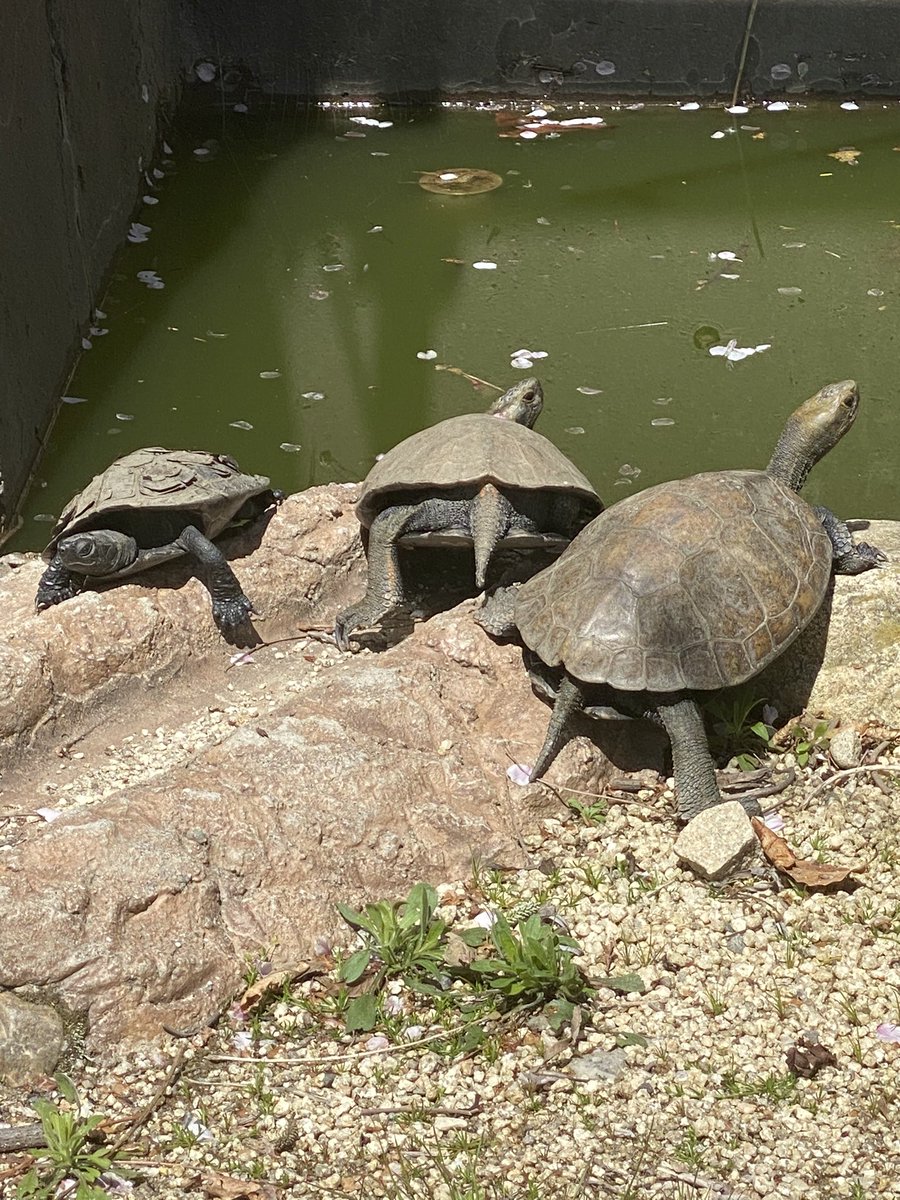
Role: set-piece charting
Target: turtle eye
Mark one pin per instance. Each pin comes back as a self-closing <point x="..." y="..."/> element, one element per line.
<point x="850" y="401"/>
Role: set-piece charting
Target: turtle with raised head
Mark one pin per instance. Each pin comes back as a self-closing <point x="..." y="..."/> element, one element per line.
<point x="151" y="506"/>
<point x="483" y="480"/>
<point x="687" y="587"/>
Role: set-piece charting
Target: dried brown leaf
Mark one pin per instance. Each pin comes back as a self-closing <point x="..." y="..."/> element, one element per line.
<point x="275" y="981"/>
<point x="802" y="871"/>
<point x="227" y="1187"/>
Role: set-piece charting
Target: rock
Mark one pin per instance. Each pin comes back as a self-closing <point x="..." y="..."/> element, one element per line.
<point x="846" y="748"/>
<point x="31" y="1040"/>
<point x="716" y="841"/>
<point x="599" y="1064"/>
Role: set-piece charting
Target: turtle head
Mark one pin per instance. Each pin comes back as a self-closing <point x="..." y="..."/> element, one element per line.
<point x="811" y="431"/>
<point x="522" y="403"/>
<point x="98" y="552"/>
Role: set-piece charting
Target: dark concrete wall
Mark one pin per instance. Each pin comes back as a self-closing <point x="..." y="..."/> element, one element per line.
<point x="551" y="47"/>
<point x="82" y="83"/>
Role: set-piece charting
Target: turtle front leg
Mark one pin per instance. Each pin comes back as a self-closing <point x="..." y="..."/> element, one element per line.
<point x="695" y="772"/>
<point x="850" y="558"/>
<point x="384" y="589"/>
<point x="56" y="584"/>
<point x="497" y="614"/>
<point x="230" y="607"/>
<point x="569" y="702"/>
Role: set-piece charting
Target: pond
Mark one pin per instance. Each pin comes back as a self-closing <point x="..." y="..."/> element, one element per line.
<point x="293" y="296"/>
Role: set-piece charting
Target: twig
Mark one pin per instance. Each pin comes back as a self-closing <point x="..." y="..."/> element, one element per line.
<point x="474" y="1107"/>
<point x="473" y="379"/>
<point x="316" y="633"/>
<point x="22" y="1137"/>
<point x="840" y="776"/>
<point x="153" y="1103"/>
<point x="743" y="59"/>
<point x="772" y="789"/>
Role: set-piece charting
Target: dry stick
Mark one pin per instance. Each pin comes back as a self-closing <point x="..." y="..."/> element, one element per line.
<point x="313" y="632"/>
<point x="471" y="1111"/>
<point x="848" y="774"/>
<point x="740" y="71"/>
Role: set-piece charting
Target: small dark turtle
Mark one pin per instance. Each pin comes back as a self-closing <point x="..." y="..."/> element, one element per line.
<point x="686" y="587"/>
<point x="147" y="508"/>
<point x="482" y="480"/>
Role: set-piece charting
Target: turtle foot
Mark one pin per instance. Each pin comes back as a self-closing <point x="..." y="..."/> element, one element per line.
<point x="872" y="555"/>
<point x="231" y="613"/>
<point x="48" y="596"/>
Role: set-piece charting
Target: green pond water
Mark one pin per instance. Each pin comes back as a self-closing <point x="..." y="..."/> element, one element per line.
<point x="306" y="272"/>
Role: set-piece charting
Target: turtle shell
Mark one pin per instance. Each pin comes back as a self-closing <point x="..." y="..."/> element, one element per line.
<point x="473" y="449"/>
<point x="694" y="584"/>
<point x="211" y="487"/>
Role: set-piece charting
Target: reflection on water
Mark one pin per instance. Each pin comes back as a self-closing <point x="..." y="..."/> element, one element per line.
<point x="679" y="282"/>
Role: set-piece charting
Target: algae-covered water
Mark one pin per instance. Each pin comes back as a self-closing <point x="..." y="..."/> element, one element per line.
<point x="312" y="291"/>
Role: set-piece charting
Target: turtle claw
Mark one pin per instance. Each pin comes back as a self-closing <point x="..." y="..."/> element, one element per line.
<point x="871" y="553"/>
<point x="231" y="613"/>
<point x="344" y="625"/>
<point x="47" y="597"/>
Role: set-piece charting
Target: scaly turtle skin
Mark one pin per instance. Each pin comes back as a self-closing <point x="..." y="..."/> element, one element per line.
<point x="689" y="586"/>
<point x="484" y="480"/>
<point x="149" y="507"/>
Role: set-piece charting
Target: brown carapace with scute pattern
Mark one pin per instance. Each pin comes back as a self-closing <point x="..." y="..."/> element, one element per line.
<point x="693" y="584"/>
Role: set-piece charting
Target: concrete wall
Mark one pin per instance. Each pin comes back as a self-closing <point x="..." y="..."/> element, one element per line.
<point x="82" y="83"/>
<point x="538" y="47"/>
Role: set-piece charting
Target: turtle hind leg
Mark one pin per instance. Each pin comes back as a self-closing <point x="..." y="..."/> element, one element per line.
<point x="57" y="584"/>
<point x="230" y="606"/>
<point x="695" y="773"/>
<point x="384" y="586"/>
<point x="569" y="702"/>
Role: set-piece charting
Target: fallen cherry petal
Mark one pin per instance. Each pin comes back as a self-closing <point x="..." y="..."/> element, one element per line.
<point x="774" y="821"/>
<point x="887" y="1032"/>
<point x="377" y="1042"/>
<point x="49" y="814"/>
<point x="426" y="355"/>
<point x="242" y="659"/>
<point x="518" y="773"/>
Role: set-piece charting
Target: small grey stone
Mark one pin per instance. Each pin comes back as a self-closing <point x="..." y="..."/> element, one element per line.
<point x="846" y="748"/>
<point x="599" y="1064"/>
<point x="31" y="1040"/>
<point x="716" y="841"/>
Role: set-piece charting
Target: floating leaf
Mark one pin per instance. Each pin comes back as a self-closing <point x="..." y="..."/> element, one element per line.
<point x="240" y="425"/>
<point x="290" y="447"/>
<point x="846" y="154"/>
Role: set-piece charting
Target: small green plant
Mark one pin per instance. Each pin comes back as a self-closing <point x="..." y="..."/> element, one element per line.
<point x="690" y="1150"/>
<point x="71" y="1166"/>
<point x="771" y="1086"/>
<point x="716" y="1001"/>
<point x="532" y="965"/>
<point x="402" y="940"/>
<point x="810" y="745"/>
<point x="591" y="812"/>
<point x="735" y="732"/>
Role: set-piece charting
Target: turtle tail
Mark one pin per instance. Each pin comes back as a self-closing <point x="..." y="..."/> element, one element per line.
<point x="489" y="522"/>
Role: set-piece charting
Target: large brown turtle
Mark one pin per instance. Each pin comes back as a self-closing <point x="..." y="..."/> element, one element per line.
<point x="686" y="587"/>
<point x="146" y="508"/>
<point x="483" y="480"/>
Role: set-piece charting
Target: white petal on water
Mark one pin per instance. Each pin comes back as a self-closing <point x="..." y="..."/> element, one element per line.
<point x="663" y="400"/>
<point x="575" y="429"/>
<point x="313" y="395"/>
<point x="212" y="333"/>
<point x="628" y="471"/>
<point x="240" y="108"/>
<point x="763" y="346"/>
<point x="527" y="135"/>
<point x="736" y="109"/>
<point x="789" y="291"/>
<point x="384" y="124"/>
<point x="86" y="343"/>
<point x="290" y="447"/>
<point x="538" y="353"/>
<point x="723" y="276"/>
<point x="521" y="363"/>
<point x="270" y="374"/>
<point x="426" y="355"/>
<point x="167" y="149"/>
<point x="850" y="106"/>
<point x="728" y="255"/>
<point x="484" y="265"/>
<point x="45" y="518"/>
<point x="589" y="391"/>
<point x="334" y="267"/>
<point x="150" y="199"/>
<point x="691" y="106"/>
<point x="720" y="133"/>
<point x="778" y="106"/>
<point x="448" y="176"/>
<point x="145" y="93"/>
<point x="874" y="292"/>
<point x="158" y="174"/>
<point x="376" y="229"/>
<point x="99" y="314"/>
<point x="718" y="351"/>
<point x="542" y="221"/>
<point x="536" y="112"/>
<point x="74" y="400"/>
<point x="201" y="151"/>
<point x="124" y="416"/>
<point x="379" y="153"/>
<point x="319" y="294"/>
<point x="240" y="424"/>
<point x="205" y="71"/>
<point x="792" y="245"/>
<point x="662" y="421"/>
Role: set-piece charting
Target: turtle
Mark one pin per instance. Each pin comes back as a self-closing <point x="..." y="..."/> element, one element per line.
<point x="482" y="480"/>
<point x="687" y="587"/>
<point x="149" y="507"/>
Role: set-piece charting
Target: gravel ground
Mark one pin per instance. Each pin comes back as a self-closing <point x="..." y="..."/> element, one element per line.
<point x="683" y="1090"/>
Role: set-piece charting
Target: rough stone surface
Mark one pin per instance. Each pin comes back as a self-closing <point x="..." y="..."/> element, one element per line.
<point x="31" y="1040"/>
<point x="716" y="841"/>
<point x="166" y="811"/>
<point x="599" y="1064"/>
